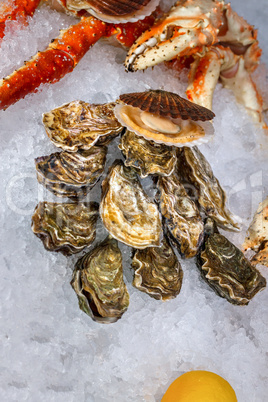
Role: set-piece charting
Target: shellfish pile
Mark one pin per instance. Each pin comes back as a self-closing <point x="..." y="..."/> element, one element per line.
<point x="159" y="132"/>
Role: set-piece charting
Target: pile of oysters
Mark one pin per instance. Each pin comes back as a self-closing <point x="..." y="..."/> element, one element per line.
<point x="159" y="136"/>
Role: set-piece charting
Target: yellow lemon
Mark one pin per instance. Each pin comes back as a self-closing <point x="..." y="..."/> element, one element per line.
<point x="200" y="386"/>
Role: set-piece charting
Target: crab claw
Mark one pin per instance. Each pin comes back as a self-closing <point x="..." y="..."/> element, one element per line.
<point x="184" y="31"/>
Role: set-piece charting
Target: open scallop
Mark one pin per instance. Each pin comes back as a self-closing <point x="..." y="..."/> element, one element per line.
<point x="165" y="117"/>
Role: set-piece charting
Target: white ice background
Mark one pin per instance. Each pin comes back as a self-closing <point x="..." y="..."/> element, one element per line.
<point x="49" y="349"/>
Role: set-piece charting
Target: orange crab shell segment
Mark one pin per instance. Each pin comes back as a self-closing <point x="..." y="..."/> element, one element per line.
<point x="127" y="33"/>
<point x="52" y="64"/>
<point x="257" y="235"/>
<point x="19" y="9"/>
<point x="167" y="104"/>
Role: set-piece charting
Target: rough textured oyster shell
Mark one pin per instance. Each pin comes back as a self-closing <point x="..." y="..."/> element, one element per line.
<point x="71" y="174"/>
<point x="114" y="10"/>
<point x="257" y="235"/>
<point x="126" y="210"/>
<point x="164" y="103"/>
<point x="65" y="227"/>
<point x="79" y="124"/>
<point x="147" y="157"/>
<point x="195" y="169"/>
<point x="182" y="215"/>
<point x="228" y="272"/>
<point x="99" y="284"/>
<point x="157" y="271"/>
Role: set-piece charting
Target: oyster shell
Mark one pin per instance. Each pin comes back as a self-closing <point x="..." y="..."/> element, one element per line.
<point x="126" y="210"/>
<point x="164" y="103"/>
<point x="71" y="174"/>
<point x="99" y="284"/>
<point x="115" y="11"/>
<point x="182" y="216"/>
<point x="257" y="235"/>
<point x="79" y="124"/>
<point x="227" y="270"/>
<point x="157" y="271"/>
<point x="147" y="157"/>
<point x="65" y="227"/>
<point x="164" y="117"/>
<point x="194" y="169"/>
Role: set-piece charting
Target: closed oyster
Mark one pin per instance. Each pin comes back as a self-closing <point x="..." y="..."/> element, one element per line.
<point x="164" y="117"/>
<point x="99" y="284"/>
<point x="79" y="124"/>
<point x="147" y="157"/>
<point x="71" y="174"/>
<point x="66" y="227"/>
<point x="195" y="169"/>
<point x="227" y="270"/>
<point x="126" y="210"/>
<point x="157" y="271"/>
<point x="115" y="11"/>
<point x="257" y="235"/>
<point x="182" y="215"/>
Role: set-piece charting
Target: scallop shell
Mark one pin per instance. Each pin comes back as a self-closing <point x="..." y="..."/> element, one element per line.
<point x="127" y="212"/>
<point x="181" y="214"/>
<point x="161" y="129"/>
<point x="79" y="125"/>
<point x="71" y="174"/>
<point x="167" y="104"/>
<point x="195" y="170"/>
<point x="228" y="272"/>
<point x="99" y="284"/>
<point x="147" y="157"/>
<point x="115" y="11"/>
<point x="157" y="271"/>
<point x="257" y="235"/>
<point x="65" y="227"/>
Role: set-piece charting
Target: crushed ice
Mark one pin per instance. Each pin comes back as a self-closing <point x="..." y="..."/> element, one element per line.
<point x="53" y="351"/>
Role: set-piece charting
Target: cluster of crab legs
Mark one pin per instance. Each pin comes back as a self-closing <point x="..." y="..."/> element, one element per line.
<point x="208" y="35"/>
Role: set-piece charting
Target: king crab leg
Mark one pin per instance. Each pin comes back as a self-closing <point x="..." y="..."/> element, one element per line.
<point x="18" y="11"/>
<point x="221" y="63"/>
<point x="63" y="54"/>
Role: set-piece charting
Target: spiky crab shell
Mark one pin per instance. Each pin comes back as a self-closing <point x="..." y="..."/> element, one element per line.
<point x="257" y="235"/>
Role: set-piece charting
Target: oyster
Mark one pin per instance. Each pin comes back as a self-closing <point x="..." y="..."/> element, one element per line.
<point x="71" y="174"/>
<point x="182" y="215"/>
<point x="79" y="124"/>
<point x="257" y="235"/>
<point x="227" y="270"/>
<point x="147" y="157"/>
<point x="126" y="210"/>
<point x="157" y="271"/>
<point x="65" y="227"/>
<point x="99" y="284"/>
<point x="164" y="117"/>
<point x="194" y="169"/>
<point x="115" y="11"/>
